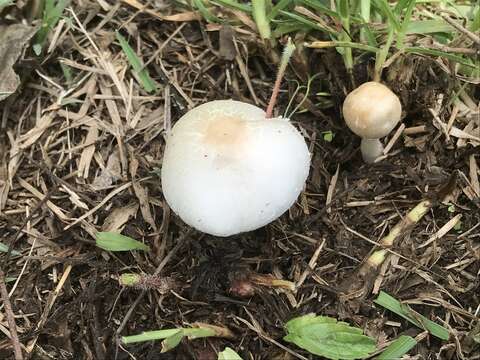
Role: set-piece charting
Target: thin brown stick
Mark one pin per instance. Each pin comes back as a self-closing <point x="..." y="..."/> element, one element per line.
<point x="12" y="326"/>
<point x="462" y="29"/>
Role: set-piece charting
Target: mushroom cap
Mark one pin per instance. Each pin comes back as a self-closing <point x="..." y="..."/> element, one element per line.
<point x="227" y="169"/>
<point x="372" y="110"/>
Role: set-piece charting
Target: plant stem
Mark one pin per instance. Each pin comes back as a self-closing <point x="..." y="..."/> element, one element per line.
<point x="150" y="335"/>
<point x="287" y="54"/>
<point x="259" y="8"/>
<point x="382" y="55"/>
<point x="378" y="257"/>
<point x="326" y="44"/>
<point x="365" y="15"/>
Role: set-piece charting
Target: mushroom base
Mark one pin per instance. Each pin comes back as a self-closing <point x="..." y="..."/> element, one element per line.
<point x="371" y="149"/>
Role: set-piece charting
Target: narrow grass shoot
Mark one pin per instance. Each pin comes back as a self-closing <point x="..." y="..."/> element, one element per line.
<point x="140" y="73"/>
<point x="365" y="6"/>
<point x="398" y="348"/>
<point x="281" y="5"/>
<point x="259" y="8"/>
<point x="404" y="311"/>
<point x="111" y="241"/>
<point x="205" y="11"/>
<point x="343" y="7"/>
<point x="51" y="14"/>
<point x="233" y="5"/>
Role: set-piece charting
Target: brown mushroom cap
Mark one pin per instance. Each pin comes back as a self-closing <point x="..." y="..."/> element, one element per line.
<point x="372" y="110"/>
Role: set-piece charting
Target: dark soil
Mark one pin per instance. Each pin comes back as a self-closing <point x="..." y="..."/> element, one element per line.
<point x="208" y="279"/>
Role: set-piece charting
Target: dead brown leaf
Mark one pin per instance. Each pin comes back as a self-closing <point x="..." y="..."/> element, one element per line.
<point x="13" y="39"/>
<point x="119" y="217"/>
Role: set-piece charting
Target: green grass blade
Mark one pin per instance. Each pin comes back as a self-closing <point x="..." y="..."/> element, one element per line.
<point x="434" y="52"/>
<point x="409" y="4"/>
<point x="395" y="306"/>
<point x="51" y="14"/>
<point x="318" y="5"/>
<point x="398" y="348"/>
<point x="116" y="242"/>
<point x="287" y="27"/>
<point x="233" y="5"/>
<point x="344" y="11"/>
<point x="428" y="27"/>
<point x="206" y="13"/>
<point x="259" y="8"/>
<point x="365" y="33"/>
<point x="402" y="4"/>
<point x="307" y="22"/>
<point x="141" y="74"/>
<point x="282" y="4"/>
<point x="386" y="10"/>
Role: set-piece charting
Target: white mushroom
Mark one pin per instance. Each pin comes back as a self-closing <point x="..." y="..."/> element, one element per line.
<point x="227" y="169"/>
<point x="371" y="111"/>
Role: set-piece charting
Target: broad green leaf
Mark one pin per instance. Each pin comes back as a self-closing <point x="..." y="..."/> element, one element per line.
<point x="4" y="248"/>
<point x="398" y="348"/>
<point x="141" y="73"/>
<point x="150" y="335"/>
<point x="327" y="337"/>
<point x="116" y="242"/>
<point x="228" y="354"/>
<point x="392" y="304"/>
<point x="5" y="3"/>
<point x="172" y="341"/>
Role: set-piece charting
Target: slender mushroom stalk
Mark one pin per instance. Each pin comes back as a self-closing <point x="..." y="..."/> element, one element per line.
<point x="371" y="111"/>
<point x="227" y="170"/>
<point x="370" y="149"/>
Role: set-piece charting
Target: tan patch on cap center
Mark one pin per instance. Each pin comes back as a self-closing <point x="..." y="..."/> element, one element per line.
<point x="226" y="131"/>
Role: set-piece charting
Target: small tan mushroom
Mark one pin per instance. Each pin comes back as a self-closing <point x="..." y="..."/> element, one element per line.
<point x="371" y="111"/>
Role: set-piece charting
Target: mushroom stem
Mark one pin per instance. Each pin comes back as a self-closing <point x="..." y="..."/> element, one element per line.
<point x="287" y="54"/>
<point x="371" y="149"/>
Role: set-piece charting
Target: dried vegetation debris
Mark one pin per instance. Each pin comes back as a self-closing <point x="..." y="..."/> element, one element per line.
<point x="80" y="141"/>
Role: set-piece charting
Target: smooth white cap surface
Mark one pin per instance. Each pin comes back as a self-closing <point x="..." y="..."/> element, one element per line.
<point x="226" y="169"/>
<point x="372" y="110"/>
